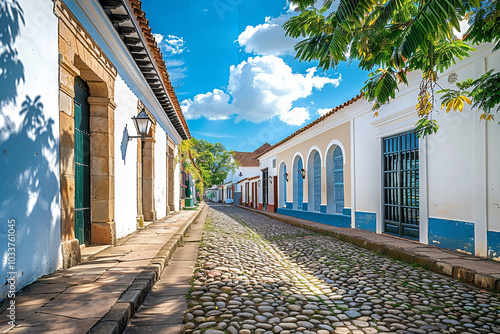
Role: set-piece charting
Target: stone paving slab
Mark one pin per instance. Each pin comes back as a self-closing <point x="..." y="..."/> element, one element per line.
<point x="164" y="306"/>
<point x="100" y="295"/>
<point x="483" y="273"/>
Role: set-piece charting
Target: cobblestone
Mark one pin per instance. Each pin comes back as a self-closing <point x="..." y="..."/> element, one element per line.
<point x="259" y="275"/>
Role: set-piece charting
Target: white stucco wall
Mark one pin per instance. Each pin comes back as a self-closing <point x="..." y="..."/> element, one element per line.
<point x="493" y="158"/>
<point x="177" y="182"/>
<point x="125" y="170"/>
<point x="160" y="173"/>
<point x="29" y="145"/>
<point x="367" y="165"/>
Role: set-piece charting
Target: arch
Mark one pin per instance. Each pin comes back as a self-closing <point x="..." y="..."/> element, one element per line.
<point x="314" y="179"/>
<point x="298" y="182"/>
<point x="334" y="163"/>
<point x="313" y="148"/>
<point x="282" y="183"/>
<point x="334" y="142"/>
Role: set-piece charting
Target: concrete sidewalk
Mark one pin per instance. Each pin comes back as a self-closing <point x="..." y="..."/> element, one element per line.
<point x="467" y="268"/>
<point x="101" y="295"/>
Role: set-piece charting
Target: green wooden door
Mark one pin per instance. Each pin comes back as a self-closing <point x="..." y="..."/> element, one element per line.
<point x="82" y="162"/>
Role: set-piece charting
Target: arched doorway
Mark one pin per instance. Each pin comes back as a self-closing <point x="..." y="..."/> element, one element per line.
<point x="335" y="178"/>
<point x="298" y="183"/>
<point x="314" y="180"/>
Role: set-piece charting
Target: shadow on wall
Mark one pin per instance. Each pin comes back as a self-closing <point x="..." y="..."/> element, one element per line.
<point x="29" y="183"/>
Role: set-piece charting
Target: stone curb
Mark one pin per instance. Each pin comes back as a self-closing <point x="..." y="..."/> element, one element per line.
<point x="466" y="275"/>
<point x="117" y="318"/>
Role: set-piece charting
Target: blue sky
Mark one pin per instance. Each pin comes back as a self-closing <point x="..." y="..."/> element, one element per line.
<point x="238" y="81"/>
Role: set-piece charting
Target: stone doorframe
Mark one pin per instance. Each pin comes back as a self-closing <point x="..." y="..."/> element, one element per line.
<point x="80" y="56"/>
<point x="170" y="174"/>
<point x="146" y="171"/>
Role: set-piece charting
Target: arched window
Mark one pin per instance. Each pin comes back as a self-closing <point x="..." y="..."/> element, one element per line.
<point x="338" y="178"/>
<point x="317" y="181"/>
<point x="300" y="184"/>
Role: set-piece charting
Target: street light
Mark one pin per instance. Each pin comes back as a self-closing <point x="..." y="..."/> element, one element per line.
<point x="302" y="173"/>
<point x="142" y="124"/>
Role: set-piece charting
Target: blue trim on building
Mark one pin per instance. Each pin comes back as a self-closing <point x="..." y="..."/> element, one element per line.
<point x="289" y="205"/>
<point x="346" y="211"/>
<point x="322" y="208"/>
<point x="452" y="234"/>
<point x="366" y="221"/>
<point x="304" y="206"/>
<point x="493" y="238"/>
<point x="331" y="219"/>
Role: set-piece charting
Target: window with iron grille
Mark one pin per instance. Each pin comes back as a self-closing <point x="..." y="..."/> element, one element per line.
<point x="317" y="181"/>
<point x="338" y="179"/>
<point x="274" y="163"/>
<point x="401" y="185"/>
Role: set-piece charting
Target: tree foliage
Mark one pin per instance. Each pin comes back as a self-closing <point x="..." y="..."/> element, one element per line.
<point x="392" y="37"/>
<point x="208" y="163"/>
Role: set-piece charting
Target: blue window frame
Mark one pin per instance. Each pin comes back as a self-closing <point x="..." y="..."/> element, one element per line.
<point x="317" y="181"/>
<point x="338" y="179"/>
<point x="300" y="184"/>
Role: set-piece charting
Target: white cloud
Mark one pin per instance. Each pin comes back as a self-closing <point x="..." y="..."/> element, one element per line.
<point x="323" y="111"/>
<point x="268" y="39"/>
<point x="170" y="44"/>
<point x="212" y="105"/>
<point x="292" y="8"/>
<point x="261" y="89"/>
<point x="296" y="116"/>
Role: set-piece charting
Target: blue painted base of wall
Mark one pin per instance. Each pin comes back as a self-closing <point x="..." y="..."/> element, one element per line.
<point x="318" y="217"/>
<point x="289" y="205"/>
<point x="452" y="234"/>
<point x="346" y="211"/>
<point x="493" y="245"/>
<point x="304" y="206"/>
<point x="366" y="221"/>
<point x="322" y="208"/>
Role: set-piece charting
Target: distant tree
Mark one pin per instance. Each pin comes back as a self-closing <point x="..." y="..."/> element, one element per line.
<point x="208" y="163"/>
<point x="392" y="37"/>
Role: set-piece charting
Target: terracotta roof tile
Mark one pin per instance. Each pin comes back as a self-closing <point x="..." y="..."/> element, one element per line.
<point x="249" y="159"/>
<point x="153" y="46"/>
<point x="316" y="121"/>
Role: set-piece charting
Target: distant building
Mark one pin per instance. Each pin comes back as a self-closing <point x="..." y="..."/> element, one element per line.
<point x="248" y="166"/>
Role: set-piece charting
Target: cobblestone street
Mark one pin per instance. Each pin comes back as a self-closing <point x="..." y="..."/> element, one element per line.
<point x="259" y="275"/>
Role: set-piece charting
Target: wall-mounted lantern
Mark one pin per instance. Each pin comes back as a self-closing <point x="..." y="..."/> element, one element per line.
<point x="259" y="183"/>
<point x="270" y="178"/>
<point x="302" y="172"/>
<point x="241" y="174"/>
<point x="286" y="177"/>
<point x="142" y="124"/>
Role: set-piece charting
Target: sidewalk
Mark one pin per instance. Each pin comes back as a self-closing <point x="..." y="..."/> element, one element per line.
<point x="464" y="267"/>
<point x="100" y="295"/>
